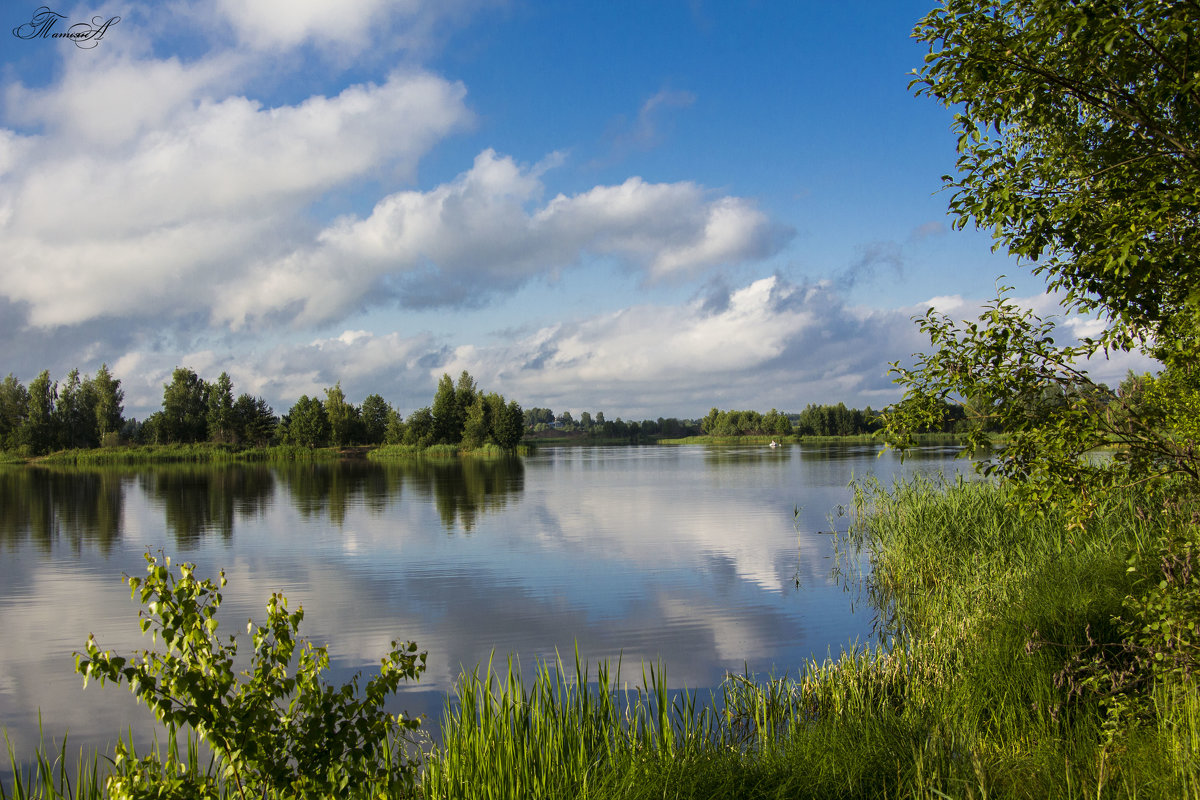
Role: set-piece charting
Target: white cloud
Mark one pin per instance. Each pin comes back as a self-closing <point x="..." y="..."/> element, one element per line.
<point x="184" y="205"/>
<point x="284" y="24"/>
<point x="346" y="29"/>
<point x="771" y="344"/>
<point x="768" y="343"/>
<point x="480" y="234"/>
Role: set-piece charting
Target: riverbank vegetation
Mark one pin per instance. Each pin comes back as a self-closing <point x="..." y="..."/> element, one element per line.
<point x="81" y="422"/>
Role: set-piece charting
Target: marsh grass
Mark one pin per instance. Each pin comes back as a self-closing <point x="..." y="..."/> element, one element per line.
<point x="186" y="453"/>
<point x="985" y="613"/>
<point x="392" y="452"/>
<point x="50" y="775"/>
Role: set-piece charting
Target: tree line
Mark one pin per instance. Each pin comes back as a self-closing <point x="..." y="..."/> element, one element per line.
<point x="814" y="420"/>
<point x="88" y="412"/>
<point x="543" y="420"/>
<point x="46" y="415"/>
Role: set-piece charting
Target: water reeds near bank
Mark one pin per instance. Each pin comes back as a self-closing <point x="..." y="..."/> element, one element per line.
<point x="1005" y="653"/>
<point x="393" y="452"/>
<point x="857" y="438"/>
<point x="187" y="453"/>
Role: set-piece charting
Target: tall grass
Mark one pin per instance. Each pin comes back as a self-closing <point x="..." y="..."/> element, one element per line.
<point x="48" y="776"/>
<point x="391" y="452"/>
<point x="186" y="453"/>
<point x="986" y="614"/>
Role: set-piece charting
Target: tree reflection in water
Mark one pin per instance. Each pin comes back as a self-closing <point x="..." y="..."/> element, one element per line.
<point x="462" y="488"/>
<point x="200" y="500"/>
<point x="60" y="507"/>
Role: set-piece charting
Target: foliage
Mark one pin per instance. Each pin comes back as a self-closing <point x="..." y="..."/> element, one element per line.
<point x="254" y="421"/>
<point x="343" y="417"/>
<point x="1052" y="414"/>
<point x="306" y="424"/>
<point x="220" y="420"/>
<point x="1078" y="128"/>
<point x="109" y="397"/>
<point x="1079" y="146"/>
<point x="420" y="428"/>
<point x="275" y="733"/>
<point x="376" y="415"/>
<point x="37" y="430"/>
<point x="185" y="408"/>
<point x="447" y="416"/>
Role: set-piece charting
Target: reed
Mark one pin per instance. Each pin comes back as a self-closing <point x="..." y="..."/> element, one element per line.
<point x="49" y="775"/>
<point x="185" y="453"/>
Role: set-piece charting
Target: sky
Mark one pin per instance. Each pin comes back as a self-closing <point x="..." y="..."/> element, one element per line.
<point x="644" y="208"/>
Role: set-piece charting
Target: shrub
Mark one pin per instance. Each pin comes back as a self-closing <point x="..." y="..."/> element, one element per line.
<point x="273" y="733"/>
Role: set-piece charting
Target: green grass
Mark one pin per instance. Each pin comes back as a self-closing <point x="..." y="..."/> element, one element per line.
<point x="392" y="452"/>
<point x="858" y="438"/>
<point x="989" y="617"/>
<point x="185" y="453"/>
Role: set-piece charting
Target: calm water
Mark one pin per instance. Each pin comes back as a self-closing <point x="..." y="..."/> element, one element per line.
<point x="685" y="555"/>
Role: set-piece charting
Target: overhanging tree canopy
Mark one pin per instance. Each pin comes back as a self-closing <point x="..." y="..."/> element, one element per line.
<point x="1078" y="129"/>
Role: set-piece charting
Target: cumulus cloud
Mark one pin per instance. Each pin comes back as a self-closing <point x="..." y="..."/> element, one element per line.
<point x="154" y="222"/>
<point x="484" y="232"/>
<point x="176" y="199"/>
<point x="774" y="343"/>
<point x="768" y="343"/>
<point x="346" y="28"/>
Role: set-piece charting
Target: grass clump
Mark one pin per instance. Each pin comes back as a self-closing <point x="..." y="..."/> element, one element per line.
<point x="204" y="452"/>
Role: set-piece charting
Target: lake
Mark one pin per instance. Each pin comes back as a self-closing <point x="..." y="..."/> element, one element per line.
<point x="687" y="556"/>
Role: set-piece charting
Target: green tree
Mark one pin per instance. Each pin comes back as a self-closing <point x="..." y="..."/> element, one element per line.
<point x="14" y="406"/>
<point x="74" y="415"/>
<point x="395" y="431"/>
<point x="1078" y="129"/>
<point x="535" y="416"/>
<point x="37" y="431"/>
<point x="307" y="424"/>
<point x="1079" y="137"/>
<point x="509" y="427"/>
<point x="465" y="392"/>
<point x="421" y="428"/>
<point x="109" y="404"/>
<point x="376" y="414"/>
<point x="254" y="421"/>
<point x="341" y="415"/>
<point x="185" y="408"/>
<point x="448" y="421"/>
<point x="219" y="417"/>
<point x="477" y="425"/>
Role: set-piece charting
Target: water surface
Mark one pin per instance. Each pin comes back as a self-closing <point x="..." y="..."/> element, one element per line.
<point x="688" y="556"/>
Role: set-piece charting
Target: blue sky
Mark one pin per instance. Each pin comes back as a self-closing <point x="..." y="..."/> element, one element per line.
<point x="641" y="208"/>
